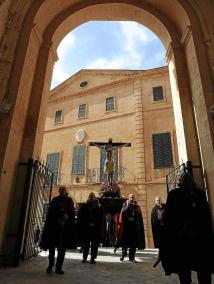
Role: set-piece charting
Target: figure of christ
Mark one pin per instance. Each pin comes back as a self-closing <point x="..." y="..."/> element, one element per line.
<point x="109" y="162"/>
<point x="109" y="165"/>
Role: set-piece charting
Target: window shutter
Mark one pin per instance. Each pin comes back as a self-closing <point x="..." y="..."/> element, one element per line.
<point x="45" y="211"/>
<point x="78" y="160"/>
<point x="53" y="165"/>
<point x="162" y="150"/>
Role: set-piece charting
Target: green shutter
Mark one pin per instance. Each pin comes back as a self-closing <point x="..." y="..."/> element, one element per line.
<point x="78" y="160"/>
<point x="53" y="165"/>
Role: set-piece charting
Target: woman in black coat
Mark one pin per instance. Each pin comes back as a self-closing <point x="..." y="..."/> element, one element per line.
<point x="187" y="241"/>
<point x="59" y="229"/>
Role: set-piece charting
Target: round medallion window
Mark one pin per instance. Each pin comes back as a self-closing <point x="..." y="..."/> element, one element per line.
<point x="80" y="135"/>
<point x="83" y="84"/>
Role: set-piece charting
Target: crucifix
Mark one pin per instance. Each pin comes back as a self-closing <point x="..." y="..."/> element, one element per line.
<point x="109" y="162"/>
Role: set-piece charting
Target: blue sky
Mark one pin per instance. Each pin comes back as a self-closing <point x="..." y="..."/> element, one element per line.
<point x="107" y="45"/>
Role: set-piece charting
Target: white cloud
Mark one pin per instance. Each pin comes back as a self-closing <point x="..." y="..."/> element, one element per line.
<point x="102" y="63"/>
<point x="135" y="34"/>
<point x="159" y="56"/>
<point x="63" y="50"/>
<point x="59" y="73"/>
<point x="133" y="42"/>
<point x="65" y="45"/>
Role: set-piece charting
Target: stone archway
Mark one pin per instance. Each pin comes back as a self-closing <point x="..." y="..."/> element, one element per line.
<point x="33" y="32"/>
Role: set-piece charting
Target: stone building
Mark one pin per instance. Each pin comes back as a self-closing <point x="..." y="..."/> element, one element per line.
<point x="127" y="106"/>
<point x="30" y="32"/>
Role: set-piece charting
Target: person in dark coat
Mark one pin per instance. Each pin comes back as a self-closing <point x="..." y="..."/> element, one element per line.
<point x="131" y="229"/>
<point x="187" y="241"/>
<point x="157" y="216"/>
<point x="59" y="229"/>
<point x="91" y="227"/>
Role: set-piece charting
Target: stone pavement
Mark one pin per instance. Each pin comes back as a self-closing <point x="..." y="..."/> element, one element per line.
<point x="109" y="270"/>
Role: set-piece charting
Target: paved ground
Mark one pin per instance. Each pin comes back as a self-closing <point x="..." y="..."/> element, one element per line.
<point x="109" y="270"/>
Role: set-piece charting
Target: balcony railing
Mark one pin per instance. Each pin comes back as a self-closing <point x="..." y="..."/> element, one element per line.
<point x="93" y="175"/>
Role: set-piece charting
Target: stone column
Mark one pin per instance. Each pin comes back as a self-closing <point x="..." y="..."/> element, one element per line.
<point x="12" y="125"/>
<point x="201" y="81"/>
<point x="33" y="135"/>
<point x="187" y="139"/>
<point x="35" y="107"/>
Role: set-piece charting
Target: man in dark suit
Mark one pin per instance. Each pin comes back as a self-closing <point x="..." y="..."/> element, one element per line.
<point x="157" y="216"/>
<point x="131" y="229"/>
<point x="187" y="241"/>
<point x="91" y="226"/>
<point x="59" y="229"/>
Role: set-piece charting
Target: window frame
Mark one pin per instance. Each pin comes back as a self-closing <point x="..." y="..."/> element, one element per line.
<point x="80" y="117"/>
<point x="153" y="94"/>
<point x="61" y="121"/>
<point x="112" y="97"/>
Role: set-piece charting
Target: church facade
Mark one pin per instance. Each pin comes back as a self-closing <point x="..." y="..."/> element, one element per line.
<point x="30" y="33"/>
<point x="126" y="106"/>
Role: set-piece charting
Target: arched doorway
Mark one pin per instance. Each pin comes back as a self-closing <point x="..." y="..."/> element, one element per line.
<point x="33" y="33"/>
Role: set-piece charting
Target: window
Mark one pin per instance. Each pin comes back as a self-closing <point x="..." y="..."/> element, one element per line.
<point x="45" y="211"/>
<point x="78" y="160"/>
<point x="83" y="84"/>
<point x="82" y="111"/>
<point x="102" y="162"/>
<point x="58" y="116"/>
<point x="53" y="165"/>
<point x="158" y="93"/>
<point x="162" y="150"/>
<point x="110" y="104"/>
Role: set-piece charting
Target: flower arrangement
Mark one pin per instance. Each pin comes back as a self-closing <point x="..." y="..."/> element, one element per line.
<point x="109" y="190"/>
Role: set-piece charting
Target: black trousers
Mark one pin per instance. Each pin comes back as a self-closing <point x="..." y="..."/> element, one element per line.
<point x="60" y="257"/>
<point x="132" y="251"/>
<point x="204" y="277"/>
<point x="94" y="249"/>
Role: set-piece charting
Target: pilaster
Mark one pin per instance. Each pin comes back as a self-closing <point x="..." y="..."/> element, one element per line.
<point x="140" y="152"/>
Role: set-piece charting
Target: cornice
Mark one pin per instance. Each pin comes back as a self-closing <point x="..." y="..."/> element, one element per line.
<point x="91" y="90"/>
<point x="158" y="108"/>
<point x="94" y="72"/>
<point x="82" y="123"/>
<point x="132" y="77"/>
